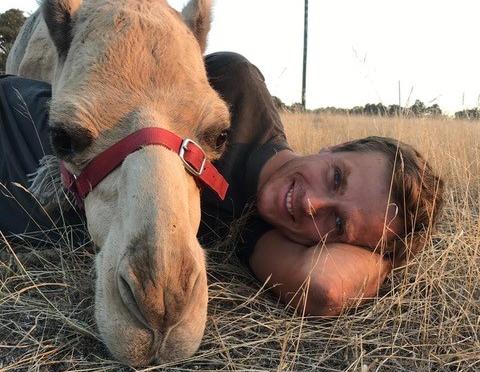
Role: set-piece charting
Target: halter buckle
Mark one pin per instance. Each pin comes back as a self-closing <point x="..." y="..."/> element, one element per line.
<point x="183" y="149"/>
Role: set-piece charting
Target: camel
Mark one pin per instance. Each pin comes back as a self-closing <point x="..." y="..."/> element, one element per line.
<point x="116" y="67"/>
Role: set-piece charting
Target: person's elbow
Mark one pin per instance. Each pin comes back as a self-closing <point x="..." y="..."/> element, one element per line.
<point x="323" y="300"/>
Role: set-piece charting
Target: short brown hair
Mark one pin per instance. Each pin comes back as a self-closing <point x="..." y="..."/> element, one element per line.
<point x="416" y="190"/>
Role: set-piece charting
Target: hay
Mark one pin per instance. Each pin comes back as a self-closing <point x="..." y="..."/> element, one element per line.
<point x="427" y="317"/>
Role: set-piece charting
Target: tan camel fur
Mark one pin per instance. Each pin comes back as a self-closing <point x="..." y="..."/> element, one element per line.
<point x="117" y="66"/>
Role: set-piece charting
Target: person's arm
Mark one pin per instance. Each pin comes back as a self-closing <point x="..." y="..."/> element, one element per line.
<point x="330" y="278"/>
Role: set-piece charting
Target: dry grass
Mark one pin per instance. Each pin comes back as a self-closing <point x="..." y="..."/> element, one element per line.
<point x="427" y="318"/>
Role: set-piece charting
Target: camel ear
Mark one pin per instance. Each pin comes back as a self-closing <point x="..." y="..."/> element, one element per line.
<point x="58" y="15"/>
<point x="198" y="16"/>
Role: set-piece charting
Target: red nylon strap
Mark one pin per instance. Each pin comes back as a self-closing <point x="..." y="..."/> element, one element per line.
<point x="101" y="166"/>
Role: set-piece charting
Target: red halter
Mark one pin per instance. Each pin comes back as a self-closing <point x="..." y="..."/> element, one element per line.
<point x="192" y="155"/>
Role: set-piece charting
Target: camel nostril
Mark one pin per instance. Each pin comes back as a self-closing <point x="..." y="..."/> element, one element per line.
<point x="129" y="300"/>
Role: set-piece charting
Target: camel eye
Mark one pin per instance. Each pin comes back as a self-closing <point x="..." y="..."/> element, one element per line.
<point x="61" y="142"/>
<point x="214" y="139"/>
<point x="221" y="139"/>
<point x="67" y="143"/>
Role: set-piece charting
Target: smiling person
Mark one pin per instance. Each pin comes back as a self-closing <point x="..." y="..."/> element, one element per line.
<point x="324" y="229"/>
<point x="327" y="228"/>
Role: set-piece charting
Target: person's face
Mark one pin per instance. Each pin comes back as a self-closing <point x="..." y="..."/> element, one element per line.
<point x="336" y="196"/>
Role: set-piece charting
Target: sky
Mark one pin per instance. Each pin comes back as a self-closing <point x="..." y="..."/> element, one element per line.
<point x="359" y="51"/>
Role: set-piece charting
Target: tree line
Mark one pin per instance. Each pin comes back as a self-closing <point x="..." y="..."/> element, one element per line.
<point x="418" y="109"/>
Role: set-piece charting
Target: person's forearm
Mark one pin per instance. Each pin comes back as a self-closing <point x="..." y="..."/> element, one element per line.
<point x="319" y="280"/>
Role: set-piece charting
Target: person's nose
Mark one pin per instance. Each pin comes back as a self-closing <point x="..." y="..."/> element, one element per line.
<point x="314" y="205"/>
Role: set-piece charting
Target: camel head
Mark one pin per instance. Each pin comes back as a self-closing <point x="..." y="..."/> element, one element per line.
<point x="123" y="65"/>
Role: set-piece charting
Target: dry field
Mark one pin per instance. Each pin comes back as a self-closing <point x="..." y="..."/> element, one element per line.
<point x="426" y="318"/>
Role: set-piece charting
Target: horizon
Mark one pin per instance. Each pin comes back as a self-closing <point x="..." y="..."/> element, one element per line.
<point x="355" y="57"/>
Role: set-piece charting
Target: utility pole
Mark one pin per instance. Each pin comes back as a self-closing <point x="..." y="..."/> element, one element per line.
<point x="400" y="110"/>
<point x="305" y="49"/>
<point x="399" y="94"/>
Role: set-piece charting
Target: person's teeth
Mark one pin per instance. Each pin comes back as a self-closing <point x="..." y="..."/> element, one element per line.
<point x="289" y="202"/>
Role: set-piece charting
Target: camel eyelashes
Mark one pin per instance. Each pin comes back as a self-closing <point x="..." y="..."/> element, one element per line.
<point x="66" y="143"/>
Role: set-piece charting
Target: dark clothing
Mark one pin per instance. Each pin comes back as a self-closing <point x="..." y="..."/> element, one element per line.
<point x="256" y="135"/>
<point x="23" y="142"/>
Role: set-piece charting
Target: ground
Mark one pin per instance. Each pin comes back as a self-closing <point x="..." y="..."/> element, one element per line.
<point x="427" y="316"/>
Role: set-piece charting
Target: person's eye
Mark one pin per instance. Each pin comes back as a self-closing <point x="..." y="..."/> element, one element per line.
<point x="339" y="226"/>
<point x="337" y="178"/>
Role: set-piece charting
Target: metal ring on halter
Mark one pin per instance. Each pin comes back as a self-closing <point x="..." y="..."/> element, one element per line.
<point x="181" y="153"/>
